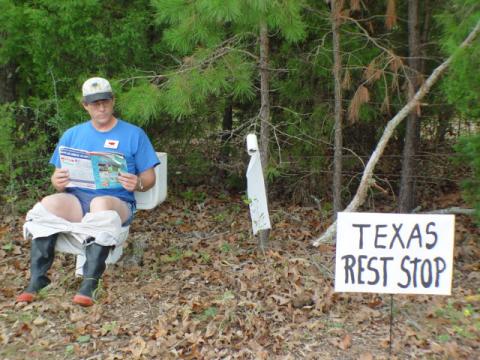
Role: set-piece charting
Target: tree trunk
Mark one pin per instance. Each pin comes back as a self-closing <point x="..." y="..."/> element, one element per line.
<point x="337" y="68"/>
<point x="407" y="182"/>
<point x="227" y="124"/>
<point x="7" y="83"/>
<point x="264" y="116"/>
<point x="366" y="180"/>
<point x="264" y="96"/>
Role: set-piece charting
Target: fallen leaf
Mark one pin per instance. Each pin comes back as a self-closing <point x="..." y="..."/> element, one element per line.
<point x="4" y="336"/>
<point x="280" y="300"/>
<point x="39" y="321"/>
<point x="23" y="329"/>
<point x="136" y="347"/>
<point x="302" y="300"/>
<point x="472" y="298"/>
<point x="365" y="356"/>
<point x="346" y="342"/>
<point x="161" y="330"/>
<point x="76" y="316"/>
<point x="451" y="349"/>
<point x="211" y="329"/>
<point x="83" y="339"/>
<point x="260" y="352"/>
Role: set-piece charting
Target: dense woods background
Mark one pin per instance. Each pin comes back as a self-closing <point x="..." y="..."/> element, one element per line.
<point x="317" y="82"/>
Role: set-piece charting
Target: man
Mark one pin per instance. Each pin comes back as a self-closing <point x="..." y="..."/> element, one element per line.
<point x="104" y="132"/>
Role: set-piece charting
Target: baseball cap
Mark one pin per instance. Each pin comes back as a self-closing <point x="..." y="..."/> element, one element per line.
<point x="95" y="89"/>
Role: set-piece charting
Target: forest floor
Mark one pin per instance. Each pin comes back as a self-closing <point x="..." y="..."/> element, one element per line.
<point x="193" y="286"/>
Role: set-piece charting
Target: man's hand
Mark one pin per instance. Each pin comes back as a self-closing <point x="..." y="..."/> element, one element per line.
<point x="60" y="179"/>
<point x="128" y="181"/>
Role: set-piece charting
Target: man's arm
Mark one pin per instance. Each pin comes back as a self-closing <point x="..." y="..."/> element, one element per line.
<point x="141" y="182"/>
<point x="146" y="180"/>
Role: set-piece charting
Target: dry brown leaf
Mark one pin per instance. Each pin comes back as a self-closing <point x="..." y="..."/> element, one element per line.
<point x="211" y="330"/>
<point x="365" y="356"/>
<point x="259" y="351"/>
<point x="194" y="338"/>
<point x="451" y="349"/>
<point x="136" y="347"/>
<point x="39" y="321"/>
<point x="365" y="313"/>
<point x="472" y="298"/>
<point x="280" y="300"/>
<point x="4" y="336"/>
<point x="384" y="342"/>
<point x="76" y="316"/>
<point x="346" y="342"/>
<point x="160" y="330"/>
<point x="302" y="300"/>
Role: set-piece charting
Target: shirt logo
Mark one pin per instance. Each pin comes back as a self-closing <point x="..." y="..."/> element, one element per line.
<point x="111" y="144"/>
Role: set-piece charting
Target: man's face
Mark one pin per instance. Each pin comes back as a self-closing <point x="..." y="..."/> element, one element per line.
<point x="101" y="112"/>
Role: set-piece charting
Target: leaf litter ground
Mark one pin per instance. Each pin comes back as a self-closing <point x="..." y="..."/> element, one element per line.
<point x="192" y="285"/>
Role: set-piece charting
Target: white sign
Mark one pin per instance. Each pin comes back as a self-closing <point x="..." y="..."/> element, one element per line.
<point x="256" y="188"/>
<point x="394" y="253"/>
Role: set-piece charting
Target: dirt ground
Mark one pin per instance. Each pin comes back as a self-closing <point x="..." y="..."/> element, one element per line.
<point x="192" y="285"/>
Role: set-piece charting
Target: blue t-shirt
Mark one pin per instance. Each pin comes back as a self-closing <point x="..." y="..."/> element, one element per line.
<point x="128" y="139"/>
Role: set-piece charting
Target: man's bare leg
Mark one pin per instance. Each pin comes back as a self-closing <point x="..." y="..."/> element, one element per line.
<point x="103" y="203"/>
<point x="64" y="205"/>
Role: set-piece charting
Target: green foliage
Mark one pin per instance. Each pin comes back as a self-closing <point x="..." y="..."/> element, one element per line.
<point x="469" y="150"/>
<point x="207" y="314"/>
<point x="461" y="321"/>
<point x="54" y="54"/>
<point x="194" y="196"/>
<point x="24" y="170"/>
<point x="214" y="38"/>
<point x="463" y="80"/>
<point x="140" y="104"/>
<point x="177" y="65"/>
<point x="193" y="168"/>
<point x="83" y="339"/>
<point x="462" y="84"/>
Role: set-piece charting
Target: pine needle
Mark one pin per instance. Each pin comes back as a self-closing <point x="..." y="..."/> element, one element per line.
<point x="347" y="81"/>
<point x="385" y="108"/>
<point x="372" y="73"/>
<point x="395" y="63"/>
<point x="361" y="97"/>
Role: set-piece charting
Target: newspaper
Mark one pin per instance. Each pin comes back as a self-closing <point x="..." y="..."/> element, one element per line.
<point x="91" y="169"/>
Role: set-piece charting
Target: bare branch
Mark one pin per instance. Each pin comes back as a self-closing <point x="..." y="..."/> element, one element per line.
<point x="367" y="178"/>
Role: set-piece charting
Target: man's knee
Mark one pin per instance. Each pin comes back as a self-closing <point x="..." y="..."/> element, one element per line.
<point x="52" y="203"/>
<point x="63" y="205"/>
<point x="102" y="203"/>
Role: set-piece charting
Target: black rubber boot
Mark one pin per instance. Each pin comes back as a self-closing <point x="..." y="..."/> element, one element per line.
<point x="92" y="272"/>
<point x="42" y="253"/>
